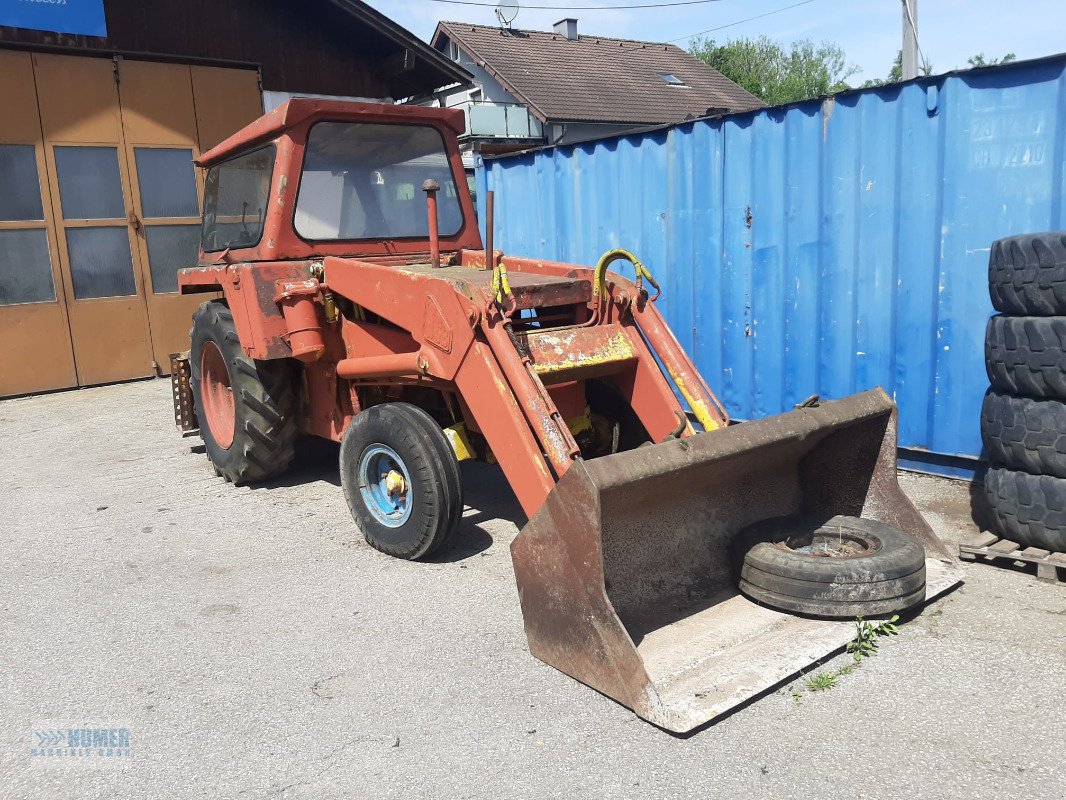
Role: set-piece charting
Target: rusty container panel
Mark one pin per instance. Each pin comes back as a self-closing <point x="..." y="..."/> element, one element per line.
<point x="821" y="247"/>
<point x="625" y="574"/>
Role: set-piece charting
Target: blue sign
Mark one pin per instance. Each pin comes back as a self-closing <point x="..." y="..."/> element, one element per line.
<point x="59" y="16"/>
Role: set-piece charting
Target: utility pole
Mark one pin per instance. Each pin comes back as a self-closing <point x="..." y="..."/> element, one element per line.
<point x="910" y="39"/>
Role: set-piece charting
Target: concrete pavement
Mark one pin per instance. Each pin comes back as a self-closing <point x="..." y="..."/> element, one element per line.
<point x="254" y="646"/>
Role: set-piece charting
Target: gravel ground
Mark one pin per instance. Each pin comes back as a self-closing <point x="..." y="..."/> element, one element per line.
<point x="254" y="646"/>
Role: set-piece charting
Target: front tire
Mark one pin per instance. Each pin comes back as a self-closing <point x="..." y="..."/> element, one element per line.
<point x="401" y="480"/>
<point x="246" y="408"/>
<point x="840" y="568"/>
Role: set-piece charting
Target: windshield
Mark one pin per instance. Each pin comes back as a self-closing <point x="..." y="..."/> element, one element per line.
<point x="235" y="197"/>
<point x="364" y="181"/>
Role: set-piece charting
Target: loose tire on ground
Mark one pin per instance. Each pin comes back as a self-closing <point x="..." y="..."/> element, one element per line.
<point x="401" y="480"/>
<point x="874" y="569"/>
<point x="250" y="436"/>
<point x="1027" y="355"/>
<point x="1026" y="434"/>
<point x="1027" y="274"/>
<point x="1028" y="509"/>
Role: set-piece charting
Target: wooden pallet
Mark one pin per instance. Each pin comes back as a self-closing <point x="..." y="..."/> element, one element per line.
<point x="989" y="547"/>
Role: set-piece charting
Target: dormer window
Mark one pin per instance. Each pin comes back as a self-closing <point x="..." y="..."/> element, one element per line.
<point x="671" y="78"/>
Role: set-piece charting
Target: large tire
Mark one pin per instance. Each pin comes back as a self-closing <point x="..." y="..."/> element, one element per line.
<point x="253" y="438"/>
<point x="1026" y="434"/>
<point x="1028" y="509"/>
<point x="418" y="512"/>
<point x="877" y="570"/>
<point x="1027" y="355"/>
<point x="1027" y="274"/>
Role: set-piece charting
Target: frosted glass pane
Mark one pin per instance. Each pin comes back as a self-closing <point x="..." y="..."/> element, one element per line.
<point x="20" y="190"/>
<point x="167" y="181"/>
<point x="100" y="262"/>
<point x="25" y="267"/>
<point x="170" y="248"/>
<point x="89" y="183"/>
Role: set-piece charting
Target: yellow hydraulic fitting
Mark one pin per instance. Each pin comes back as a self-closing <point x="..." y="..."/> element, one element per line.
<point x="599" y="274"/>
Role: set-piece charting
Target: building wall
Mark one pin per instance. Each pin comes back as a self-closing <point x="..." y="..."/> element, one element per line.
<point x="484" y="87"/>
<point x="823" y="247"/>
<point x="575" y="132"/>
<point x="300" y="46"/>
<point x="272" y="100"/>
<point x="491" y="89"/>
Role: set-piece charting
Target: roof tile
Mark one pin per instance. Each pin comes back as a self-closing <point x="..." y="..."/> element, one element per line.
<point x="600" y="79"/>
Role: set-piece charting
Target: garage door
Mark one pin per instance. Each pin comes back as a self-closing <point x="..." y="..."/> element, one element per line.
<point x="105" y="212"/>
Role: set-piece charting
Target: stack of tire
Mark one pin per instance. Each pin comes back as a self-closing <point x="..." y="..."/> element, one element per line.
<point x="1023" y="419"/>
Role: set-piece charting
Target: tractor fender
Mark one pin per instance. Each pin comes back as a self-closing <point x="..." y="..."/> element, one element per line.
<point x="250" y="291"/>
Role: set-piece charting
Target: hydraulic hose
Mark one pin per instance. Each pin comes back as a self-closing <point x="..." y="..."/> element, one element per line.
<point x="599" y="275"/>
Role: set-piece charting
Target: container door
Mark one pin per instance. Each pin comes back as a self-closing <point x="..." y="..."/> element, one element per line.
<point x="35" y="347"/>
<point x="96" y="232"/>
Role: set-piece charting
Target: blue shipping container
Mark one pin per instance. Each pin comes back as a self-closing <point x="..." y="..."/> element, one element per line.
<point x="822" y="247"/>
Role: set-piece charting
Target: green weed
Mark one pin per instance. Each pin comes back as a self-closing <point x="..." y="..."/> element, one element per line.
<point x="865" y="642"/>
<point x="821" y="682"/>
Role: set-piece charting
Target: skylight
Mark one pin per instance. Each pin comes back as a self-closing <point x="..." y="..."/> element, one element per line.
<point x="671" y="79"/>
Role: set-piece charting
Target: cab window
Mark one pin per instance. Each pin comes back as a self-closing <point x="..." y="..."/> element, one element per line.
<point x="363" y="181"/>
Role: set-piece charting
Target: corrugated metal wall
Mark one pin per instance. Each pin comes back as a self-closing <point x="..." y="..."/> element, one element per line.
<point x="823" y="247"/>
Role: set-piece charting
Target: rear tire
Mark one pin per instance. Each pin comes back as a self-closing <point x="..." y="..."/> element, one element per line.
<point x="401" y="480"/>
<point x="1027" y="355"/>
<point x="1025" y="434"/>
<point x="246" y="408"/>
<point x="1027" y="274"/>
<point x="1028" y="509"/>
<point x="875" y="570"/>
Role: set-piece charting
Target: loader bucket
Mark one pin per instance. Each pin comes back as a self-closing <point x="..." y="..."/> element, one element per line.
<point x="626" y="577"/>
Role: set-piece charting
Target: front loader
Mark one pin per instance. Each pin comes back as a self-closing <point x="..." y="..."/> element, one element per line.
<point x="353" y="299"/>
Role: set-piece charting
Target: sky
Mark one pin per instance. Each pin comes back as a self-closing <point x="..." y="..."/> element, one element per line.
<point x="869" y="31"/>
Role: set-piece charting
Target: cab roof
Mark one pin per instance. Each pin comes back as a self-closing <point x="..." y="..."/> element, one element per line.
<point x="299" y="110"/>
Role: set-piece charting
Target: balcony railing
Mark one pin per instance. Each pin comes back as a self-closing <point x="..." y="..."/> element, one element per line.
<point x="500" y="121"/>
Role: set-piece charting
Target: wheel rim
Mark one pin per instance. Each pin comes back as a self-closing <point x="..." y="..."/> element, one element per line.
<point x="216" y="395"/>
<point x="832" y="542"/>
<point x="385" y="485"/>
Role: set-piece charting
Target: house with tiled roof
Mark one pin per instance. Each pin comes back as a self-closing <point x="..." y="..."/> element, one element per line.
<point x="535" y="88"/>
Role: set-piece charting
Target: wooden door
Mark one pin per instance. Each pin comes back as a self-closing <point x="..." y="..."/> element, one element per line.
<point x="35" y="346"/>
<point x="167" y="111"/>
<point x="159" y="129"/>
<point x="96" y="237"/>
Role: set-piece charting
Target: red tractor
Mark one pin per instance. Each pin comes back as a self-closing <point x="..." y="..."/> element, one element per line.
<point x="358" y="303"/>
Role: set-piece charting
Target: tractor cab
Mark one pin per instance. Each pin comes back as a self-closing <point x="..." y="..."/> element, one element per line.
<point x="317" y="178"/>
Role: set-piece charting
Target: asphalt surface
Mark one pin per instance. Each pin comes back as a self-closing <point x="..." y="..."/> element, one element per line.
<point x="254" y="646"/>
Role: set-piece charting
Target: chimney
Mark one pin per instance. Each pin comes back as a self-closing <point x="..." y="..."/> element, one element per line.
<point x="567" y="27"/>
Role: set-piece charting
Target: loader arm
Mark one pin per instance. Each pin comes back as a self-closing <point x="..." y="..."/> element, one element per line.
<point x="506" y="374"/>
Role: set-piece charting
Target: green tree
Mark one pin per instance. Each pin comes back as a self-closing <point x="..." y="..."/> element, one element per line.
<point x="775" y="73"/>
<point x="895" y="75"/>
<point x="979" y="60"/>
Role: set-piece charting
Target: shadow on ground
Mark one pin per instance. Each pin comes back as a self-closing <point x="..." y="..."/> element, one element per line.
<point x="487" y="496"/>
